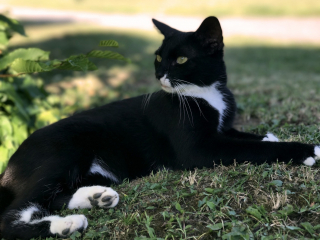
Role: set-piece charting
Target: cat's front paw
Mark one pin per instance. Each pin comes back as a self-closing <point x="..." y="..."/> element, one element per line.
<point x="270" y="137"/>
<point x="310" y="161"/>
<point x="98" y="196"/>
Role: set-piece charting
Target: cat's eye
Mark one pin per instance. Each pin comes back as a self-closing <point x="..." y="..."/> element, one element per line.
<point x="181" y="60"/>
<point x="159" y="58"/>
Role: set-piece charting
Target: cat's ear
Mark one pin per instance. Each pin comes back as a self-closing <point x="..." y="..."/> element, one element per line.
<point x="163" y="28"/>
<point x="210" y="33"/>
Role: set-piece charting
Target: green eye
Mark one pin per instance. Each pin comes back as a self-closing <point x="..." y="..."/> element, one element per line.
<point x="182" y="60"/>
<point x="159" y="58"/>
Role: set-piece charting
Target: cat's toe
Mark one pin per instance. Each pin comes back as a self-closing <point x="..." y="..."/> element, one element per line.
<point x="270" y="137"/>
<point x="108" y="198"/>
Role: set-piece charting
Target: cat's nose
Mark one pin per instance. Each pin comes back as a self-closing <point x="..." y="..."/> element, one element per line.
<point x="159" y="75"/>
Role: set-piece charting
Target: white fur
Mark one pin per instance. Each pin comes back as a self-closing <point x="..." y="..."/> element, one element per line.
<point x="211" y="94"/>
<point x="165" y="84"/>
<point x="97" y="169"/>
<point x="57" y="224"/>
<point x="26" y="214"/>
<point x="81" y="197"/>
<point x="317" y="152"/>
<point x="309" y="161"/>
<point x="270" y="138"/>
<point x="72" y="222"/>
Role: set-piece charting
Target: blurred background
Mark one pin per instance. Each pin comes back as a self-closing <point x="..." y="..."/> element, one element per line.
<point x="272" y="47"/>
<point x="272" y="51"/>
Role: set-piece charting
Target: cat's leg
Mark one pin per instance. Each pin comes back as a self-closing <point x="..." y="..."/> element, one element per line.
<point x="32" y="220"/>
<point x="233" y="133"/>
<point x="25" y="221"/>
<point x="227" y="150"/>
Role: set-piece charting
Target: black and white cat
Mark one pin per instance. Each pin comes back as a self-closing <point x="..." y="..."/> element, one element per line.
<point x="187" y="124"/>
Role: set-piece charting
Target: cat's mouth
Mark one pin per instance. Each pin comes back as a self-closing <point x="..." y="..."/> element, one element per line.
<point x="167" y="89"/>
<point x="163" y="86"/>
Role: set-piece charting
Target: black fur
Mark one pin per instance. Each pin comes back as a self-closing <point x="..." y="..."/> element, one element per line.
<point x="131" y="141"/>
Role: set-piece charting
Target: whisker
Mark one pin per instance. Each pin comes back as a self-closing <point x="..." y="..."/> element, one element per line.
<point x="186" y="104"/>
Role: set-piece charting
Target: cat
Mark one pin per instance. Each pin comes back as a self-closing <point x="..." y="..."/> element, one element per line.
<point x="185" y="125"/>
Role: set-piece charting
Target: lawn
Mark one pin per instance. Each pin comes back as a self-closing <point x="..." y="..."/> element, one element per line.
<point x="277" y="89"/>
<point x="183" y="7"/>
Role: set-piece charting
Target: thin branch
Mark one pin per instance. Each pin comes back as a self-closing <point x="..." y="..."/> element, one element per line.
<point x="10" y="75"/>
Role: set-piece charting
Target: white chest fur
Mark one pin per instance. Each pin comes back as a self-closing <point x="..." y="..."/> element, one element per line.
<point x="211" y="94"/>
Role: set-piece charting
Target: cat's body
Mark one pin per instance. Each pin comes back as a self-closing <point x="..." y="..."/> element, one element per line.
<point x="188" y="124"/>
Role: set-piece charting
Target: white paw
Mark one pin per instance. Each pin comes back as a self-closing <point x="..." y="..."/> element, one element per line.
<point x="270" y="138"/>
<point x="309" y="161"/>
<point x="87" y="197"/>
<point x="65" y="226"/>
<point x="317" y="152"/>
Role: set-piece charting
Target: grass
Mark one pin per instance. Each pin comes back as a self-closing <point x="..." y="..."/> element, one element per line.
<point x="277" y="89"/>
<point x="183" y="7"/>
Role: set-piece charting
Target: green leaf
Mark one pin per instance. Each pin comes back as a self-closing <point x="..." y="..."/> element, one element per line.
<point x="277" y="183"/>
<point x="107" y="54"/>
<point x="215" y="227"/>
<point x="25" y="66"/>
<point x="5" y="127"/>
<point x="13" y="24"/>
<point x="47" y="117"/>
<point x="293" y="228"/>
<point x="151" y="207"/>
<point x="34" y="54"/>
<point x="108" y="43"/>
<point x="3" y="39"/>
<point x="4" y="153"/>
<point x="308" y="227"/>
<point x="178" y="207"/>
<point x="254" y="212"/>
<point x="9" y="90"/>
<point x="75" y="235"/>
<point x="20" y="129"/>
<point x="67" y="66"/>
<point x="79" y="61"/>
<point x="211" y="205"/>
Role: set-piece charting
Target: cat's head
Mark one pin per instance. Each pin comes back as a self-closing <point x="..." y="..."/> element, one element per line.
<point x="189" y="59"/>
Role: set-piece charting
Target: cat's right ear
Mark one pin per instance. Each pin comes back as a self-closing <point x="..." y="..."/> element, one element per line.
<point x="163" y="28"/>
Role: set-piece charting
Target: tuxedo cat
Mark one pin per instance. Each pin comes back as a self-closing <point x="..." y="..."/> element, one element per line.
<point x="185" y="125"/>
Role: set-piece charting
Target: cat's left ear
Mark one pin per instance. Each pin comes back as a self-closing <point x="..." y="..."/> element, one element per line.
<point x="210" y="33"/>
<point x="163" y="28"/>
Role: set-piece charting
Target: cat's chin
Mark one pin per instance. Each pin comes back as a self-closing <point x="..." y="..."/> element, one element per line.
<point x="167" y="89"/>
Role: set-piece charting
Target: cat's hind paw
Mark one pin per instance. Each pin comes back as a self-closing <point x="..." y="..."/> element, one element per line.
<point x="95" y="196"/>
<point x="64" y="226"/>
<point x="310" y="161"/>
<point x="270" y="137"/>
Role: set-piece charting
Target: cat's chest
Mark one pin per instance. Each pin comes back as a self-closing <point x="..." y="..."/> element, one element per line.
<point x="212" y="95"/>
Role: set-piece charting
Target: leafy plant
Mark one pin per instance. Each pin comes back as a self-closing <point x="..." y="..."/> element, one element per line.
<point x="24" y="104"/>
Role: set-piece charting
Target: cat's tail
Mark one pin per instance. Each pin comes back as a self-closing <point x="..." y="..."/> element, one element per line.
<point x="6" y="197"/>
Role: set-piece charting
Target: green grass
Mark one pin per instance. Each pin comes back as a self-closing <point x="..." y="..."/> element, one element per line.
<point x="184" y="7"/>
<point x="277" y="89"/>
